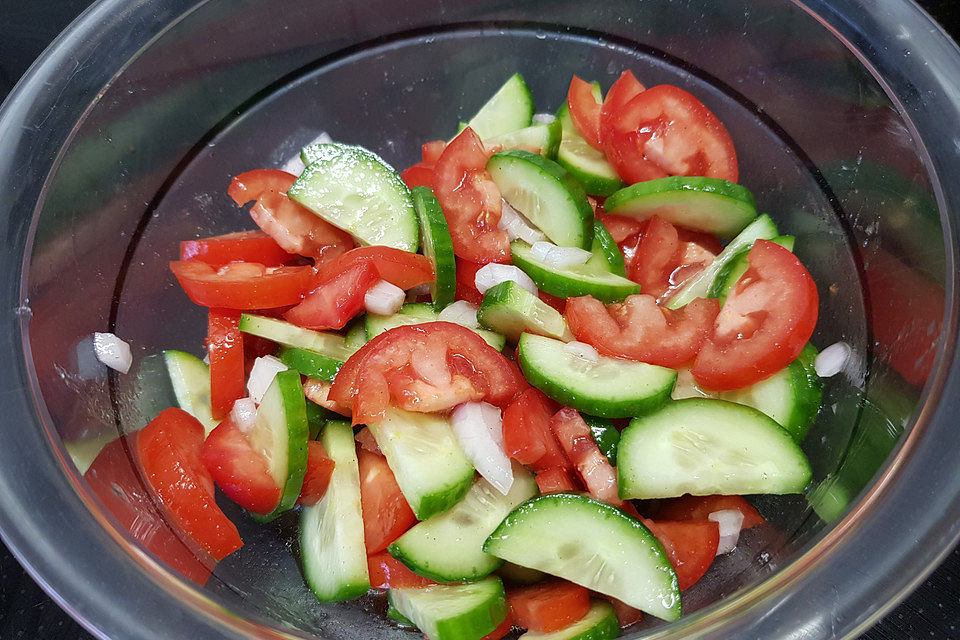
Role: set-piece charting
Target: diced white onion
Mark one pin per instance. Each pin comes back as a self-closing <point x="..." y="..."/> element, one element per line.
<point x="517" y="226"/>
<point x="264" y="370"/>
<point x="479" y="429"/>
<point x="460" y="312"/>
<point x="832" y="360"/>
<point x="420" y="290"/>
<point x="384" y="298"/>
<point x="582" y="350"/>
<point x="295" y="164"/>
<point x="729" y="522"/>
<point x="112" y="351"/>
<point x="244" y="413"/>
<point x="490" y="275"/>
<point x="544" y="118"/>
<point x="559" y="257"/>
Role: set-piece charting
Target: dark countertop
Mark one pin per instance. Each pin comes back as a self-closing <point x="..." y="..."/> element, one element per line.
<point x="26" y="27"/>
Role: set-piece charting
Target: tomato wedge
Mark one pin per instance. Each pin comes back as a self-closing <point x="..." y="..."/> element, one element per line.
<point x="548" y="606"/>
<point x="584" y="111"/>
<point x="419" y="175"/>
<point x="690" y="507"/>
<point x="581" y="449"/>
<point x="431" y="151"/>
<point x="626" y="615"/>
<point x="666" y="131"/>
<point x="168" y="450"/>
<point x="691" y="546"/>
<point x="386" y="572"/>
<point x="622" y="227"/>
<point x="225" y="349"/>
<point x="317" y="477"/>
<point x="241" y="472"/>
<point x="427" y="368"/>
<point x="337" y="301"/>
<point x="242" y="285"/>
<point x="470" y="200"/>
<point x="242" y="246"/>
<point x="502" y="629"/>
<point x="467" y="282"/>
<point x="400" y="268"/>
<point x="557" y="480"/>
<point x="765" y="322"/>
<point x="664" y="260"/>
<point x="625" y="89"/>
<point x="527" y="437"/>
<point x="639" y="329"/>
<point x="386" y="514"/>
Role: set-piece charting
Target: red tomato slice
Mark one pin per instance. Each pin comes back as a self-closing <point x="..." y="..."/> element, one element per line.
<point x="691" y="546"/>
<point x="250" y="185"/>
<point x="765" y="322"/>
<point x="400" y="268"/>
<point x="584" y="111"/>
<point x="626" y="615"/>
<point x="548" y="606"/>
<point x="426" y="368"/>
<point x="241" y="472"/>
<point x="386" y="514"/>
<point x="225" y="348"/>
<point x="386" y="572"/>
<point x="431" y="151"/>
<point x="639" y="329"/>
<point x="557" y="480"/>
<point x="699" y="507"/>
<point x="337" y="301"/>
<point x="666" y="131"/>
<point x="664" y="261"/>
<point x="242" y="246"/>
<point x="625" y="89"/>
<point x="471" y="200"/>
<point x="168" y="450"/>
<point x="622" y="227"/>
<point x="577" y="442"/>
<point x="317" y="477"/>
<point x="527" y="437"/>
<point x="419" y="175"/>
<point x="557" y="303"/>
<point x="366" y="440"/>
<point x="466" y="282"/>
<point x="502" y="629"/>
<point x="242" y="285"/>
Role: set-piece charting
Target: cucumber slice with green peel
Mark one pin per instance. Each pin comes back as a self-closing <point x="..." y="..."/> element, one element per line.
<point x="515" y="574"/>
<point x="543" y="139"/>
<point x="588" y="165"/>
<point x="546" y="194"/>
<point x="280" y="434"/>
<point x="702" y="204"/>
<point x="723" y="283"/>
<point x="331" y="531"/>
<point x="509" y="109"/>
<point x="190" y="379"/>
<point x="356" y="335"/>
<point x="704" y="446"/>
<point x="453" y="611"/>
<point x="699" y="286"/>
<point x="600" y="623"/>
<point x="418" y="313"/>
<point x="592" y="544"/>
<point x="436" y="244"/>
<point x="606" y="253"/>
<point x="398" y="617"/>
<point x="608" y="387"/>
<point x="585" y="280"/>
<point x="421" y="449"/>
<point x="327" y="344"/>
<point x="449" y="547"/>
<point x="318" y="417"/>
<point x="355" y="190"/>
<point x="310" y="363"/>
<point x="509" y="309"/>
<point x="605" y="434"/>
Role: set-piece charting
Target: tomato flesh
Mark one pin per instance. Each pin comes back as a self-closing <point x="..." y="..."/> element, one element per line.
<point x="317" y="477"/>
<point x="584" y="111"/>
<point x="386" y="572"/>
<point x="242" y="285"/>
<point x="664" y="261"/>
<point x="581" y="449"/>
<point x="225" y="349"/>
<point x="557" y="480"/>
<point x="431" y="151"/>
<point x="400" y="268"/>
<point x="242" y="246"/>
<point x="419" y="175"/>
<point x="466" y="282"/>
<point x="691" y="546"/>
<point x="621" y="92"/>
<point x="241" y="472"/>
<point x="337" y="301"/>
<point x="548" y="606"/>
<point x="690" y="507"/>
<point x="527" y="437"/>
<point x="386" y="514"/>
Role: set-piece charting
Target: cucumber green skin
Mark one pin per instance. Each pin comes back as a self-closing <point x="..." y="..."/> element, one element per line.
<point x="509" y="309"/>
<point x="310" y="363"/>
<point x="398" y="617"/>
<point x="318" y="417"/>
<point x="356" y="335"/>
<point x="568" y="220"/>
<point x="484" y="608"/>
<point x="588" y="165"/>
<point x="703" y="204"/>
<point x="600" y="623"/>
<point x="568" y="283"/>
<point x="539" y="363"/>
<point x="509" y="109"/>
<point x="648" y="465"/>
<point x="290" y="335"/>
<point x="605" y="246"/>
<point x="541" y="138"/>
<point x="605" y="435"/>
<point x="727" y="276"/>
<point x="436" y="244"/>
<point x="190" y="379"/>
<point x="418" y="313"/>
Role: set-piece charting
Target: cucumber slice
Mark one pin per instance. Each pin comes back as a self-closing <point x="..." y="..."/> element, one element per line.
<point x="356" y="190"/>
<point x="449" y="547"/>
<point x="396" y="616"/>
<point x="703" y="204"/>
<point x="453" y="611"/>
<point x="418" y="313"/>
<point x="546" y="194"/>
<point x="509" y="109"/>
<point x="437" y="245"/>
<point x="310" y="363"/>
<point x="515" y="574"/>
<point x="606" y="436"/>
<point x="729" y="274"/>
<point x="586" y="280"/>
<point x="699" y="285"/>
<point x="609" y="387"/>
<point x="509" y="309"/>
<point x="594" y="545"/>
<point x="431" y="468"/>
<point x="190" y="379"/>
<point x="543" y="139"/>
<point x="330" y="345"/>
<point x="704" y="446"/>
<point x="318" y="417"/>
<point x="600" y="623"/>
<point x="356" y="335"/>
<point x="606" y="254"/>
<point x="331" y="531"/>
<point x="588" y="165"/>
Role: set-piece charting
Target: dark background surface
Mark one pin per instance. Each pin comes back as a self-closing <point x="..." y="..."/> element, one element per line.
<point x="26" y="28"/>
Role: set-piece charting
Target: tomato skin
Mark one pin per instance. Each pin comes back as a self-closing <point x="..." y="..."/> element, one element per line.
<point x="470" y="200"/>
<point x="225" y="349"/>
<point x="386" y="572"/>
<point x="466" y="276"/>
<point x="691" y="546"/>
<point x="502" y="629"/>
<point x="386" y="514"/>
<point x="168" y="450"/>
<point x="242" y="285"/>
<point x="581" y="449"/>
<point x="240" y="471"/>
<point x="557" y="480"/>
<point x="639" y="329"/>
<point x="584" y="111"/>
<point x="242" y="246"/>
<point x="621" y="92"/>
<point x="317" y="477"/>
<point x="690" y="507"/>
<point x="337" y="301"/>
<point x="527" y="437"/>
<point x="418" y="175"/>
<point x="548" y="606"/>
<point x="250" y="185"/>
<point x="764" y="324"/>
<point x="400" y="268"/>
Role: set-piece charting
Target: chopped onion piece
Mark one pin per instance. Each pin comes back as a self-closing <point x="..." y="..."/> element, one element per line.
<point x="559" y="257"/>
<point x="517" y="226"/>
<point x="544" y="118"/>
<point x="582" y="350"/>
<point x="479" y="429"/>
<point x="244" y="413"/>
<point x="490" y="275"/>
<point x="460" y="312"/>
<point x="112" y="351"/>
<point x="384" y="298"/>
<point x="729" y="522"/>
<point x="295" y="164"/>
<point x="264" y="370"/>
<point x="832" y="360"/>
